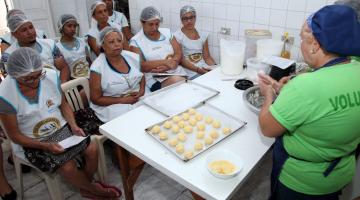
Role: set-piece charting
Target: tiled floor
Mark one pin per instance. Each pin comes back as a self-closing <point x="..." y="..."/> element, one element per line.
<point x="151" y="185"/>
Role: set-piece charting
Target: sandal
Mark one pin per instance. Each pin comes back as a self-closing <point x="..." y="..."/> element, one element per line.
<point x="111" y="188"/>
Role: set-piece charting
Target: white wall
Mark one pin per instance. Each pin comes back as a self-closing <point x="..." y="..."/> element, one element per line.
<point x="276" y="15"/>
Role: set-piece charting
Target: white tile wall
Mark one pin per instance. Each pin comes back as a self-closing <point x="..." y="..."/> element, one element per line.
<point x="276" y="15"/>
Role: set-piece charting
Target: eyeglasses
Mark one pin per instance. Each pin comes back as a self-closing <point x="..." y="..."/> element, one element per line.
<point x="32" y="79"/>
<point x="188" y="18"/>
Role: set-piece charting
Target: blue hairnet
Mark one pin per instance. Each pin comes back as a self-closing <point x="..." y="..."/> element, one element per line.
<point x="337" y="29"/>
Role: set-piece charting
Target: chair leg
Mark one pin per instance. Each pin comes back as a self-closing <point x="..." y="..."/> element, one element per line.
<point x="102" y="169"/>
<point x="19" y="177"/>
<point x="53" y="185"/>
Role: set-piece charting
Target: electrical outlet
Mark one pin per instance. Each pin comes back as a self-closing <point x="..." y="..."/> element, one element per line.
<point x="225" y="31"/>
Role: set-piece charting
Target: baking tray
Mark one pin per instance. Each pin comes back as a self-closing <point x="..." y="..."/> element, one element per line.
<point x="178" y="97"/>
<point x="205" y="110"/>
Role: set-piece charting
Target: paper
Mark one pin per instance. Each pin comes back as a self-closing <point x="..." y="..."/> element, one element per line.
<point x="279" y="62"/>
<point x="165" y="74"/>
<point x="71" y="141"/>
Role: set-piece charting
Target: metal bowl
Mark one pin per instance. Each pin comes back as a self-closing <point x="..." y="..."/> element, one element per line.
<point x="253" y="99"/>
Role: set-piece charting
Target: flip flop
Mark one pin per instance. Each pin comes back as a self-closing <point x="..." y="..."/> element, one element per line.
<point x="87" y="195"/>
<point x="111" y="188"/>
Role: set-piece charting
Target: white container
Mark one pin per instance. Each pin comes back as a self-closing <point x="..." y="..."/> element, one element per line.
<point x="232" y="53"/>
<point x="268" y="47"/>
<point x="228" y="156"/>
<point x="251" y="36"/>
<point x="254" y="66"/>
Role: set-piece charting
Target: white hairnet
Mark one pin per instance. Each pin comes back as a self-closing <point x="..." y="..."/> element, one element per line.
<point x="23" y="61"/>
<point x="150" y="13"/>
<point x="65" y="19"/>
<point x="95" y="5"/>
<point x="108" y="30"/>
<point x="16" y="21"/>
<point x="354" y="4"/>
<point x="187" y="9"/>
<point x="14" y="12"/>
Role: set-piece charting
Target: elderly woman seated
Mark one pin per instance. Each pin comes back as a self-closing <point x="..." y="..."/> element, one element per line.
<point x="115" y="79"/>
<point x="195" y="47"/>
<point x="99" y="12"/>
<point x="36" y="116"/>
<point x="159" y="50"/>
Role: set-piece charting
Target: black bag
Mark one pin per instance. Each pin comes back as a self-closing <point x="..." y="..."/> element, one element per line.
<point x="88" y="121"/>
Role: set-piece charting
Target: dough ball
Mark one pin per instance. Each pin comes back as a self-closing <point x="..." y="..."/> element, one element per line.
<point x="167" y="124"/>
<point x="226" y="130"/>
<point x="188" y="154"/>
<point x="199" y="117"/>
<point x="181" y="137"/>
<point x="188" y="129"/>
<point x="200" y="135"/>
<point x="201" y="127"/>
<point x="192" y="122"/>
<point x="209" y="141"/>
<point x="216" y="124"/>
<point x="181" y="124"/>
<point x="192" y="111"/>
<point x="185" y="116"/>
<point x="179" y="148"/>
<point x="208" y="120"/>
<point x="173" y="142"/>
<point x="163" y="136"/>
<point x="175" y="129"/>
<point x="214" y="134"/>
<point x="155" y="129"/>
<point x="198" y="146"/>
<point x="176" y="119"/>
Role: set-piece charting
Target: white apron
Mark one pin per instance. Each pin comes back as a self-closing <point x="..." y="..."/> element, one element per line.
<point x="116" y="84"/>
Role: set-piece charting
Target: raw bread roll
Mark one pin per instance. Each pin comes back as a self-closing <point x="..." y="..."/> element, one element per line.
<point x="188" y="154"/>
<point x="209" y="141"/>
<point x="199" y="117"/>
<point x="208" y="120"/>
<point x="179" y="148"/>
<point x="188" y="129"/>
<point x="176" y="119"/>
<point x="173" y="142"/>
<point x="185" y="116"/>
<point x="167" y="124"/>
<point x="192" y="122"/>
<point x="214" y="134"/>
<point x="216" y="124"/>
<point x="201" y="127"/>
<point x="175" y="129"/>
<point x="181" y="124"/>
<point x="181" y="137"/>
<point x="198" y="146"/>
<point x="163" y="136"/>
<point x="155" y="129"/>
<point x="200" y="135"/>
<point x="192" y="111"/>
<point x="226" y="130"/>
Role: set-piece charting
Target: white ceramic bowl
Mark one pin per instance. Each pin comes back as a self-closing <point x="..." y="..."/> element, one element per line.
<point x="225" y="155"/>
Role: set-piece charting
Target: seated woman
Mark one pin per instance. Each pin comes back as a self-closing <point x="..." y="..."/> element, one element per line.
<point x="75" y="50"/>
<point x="100" y="13"/>
<point x="8" y="39"/>
<point x="36" y="116"/>
<point x="115" y="79"/>
<point x="196" y="56"/>
<point x="159" y="50"/>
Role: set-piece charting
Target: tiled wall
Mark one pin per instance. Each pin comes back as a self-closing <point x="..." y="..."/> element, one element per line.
<point x="276" y="15"/>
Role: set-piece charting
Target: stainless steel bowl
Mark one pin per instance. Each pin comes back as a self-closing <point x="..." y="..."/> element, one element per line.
<point x="253" y="99"/>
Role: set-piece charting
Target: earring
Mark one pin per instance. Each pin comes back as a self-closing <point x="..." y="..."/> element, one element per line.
<point x="312" y="51"/>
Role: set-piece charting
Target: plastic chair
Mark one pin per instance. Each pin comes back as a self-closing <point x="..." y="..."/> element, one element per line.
<point x="52" y="180"/>
<point x="73" y="97"/>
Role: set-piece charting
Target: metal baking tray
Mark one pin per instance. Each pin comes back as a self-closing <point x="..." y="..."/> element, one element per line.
<point x="205" y="110"/>
<point x="178" y="97"/>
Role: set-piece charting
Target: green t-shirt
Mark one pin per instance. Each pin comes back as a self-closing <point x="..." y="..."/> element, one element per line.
<point x="321" y="112"/>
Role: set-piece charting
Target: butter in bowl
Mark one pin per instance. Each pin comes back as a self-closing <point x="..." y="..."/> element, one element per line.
<point x="224" y="164"/>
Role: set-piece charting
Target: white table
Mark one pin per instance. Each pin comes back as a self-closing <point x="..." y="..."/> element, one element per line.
<point x="128" y="132"/>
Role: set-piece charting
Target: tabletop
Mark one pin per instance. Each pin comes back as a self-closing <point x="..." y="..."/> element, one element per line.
<point x="248" y="143"/>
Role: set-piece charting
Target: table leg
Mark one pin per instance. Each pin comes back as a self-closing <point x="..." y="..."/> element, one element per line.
<point x="130" y="169"/>
<point x="196" y="196"/>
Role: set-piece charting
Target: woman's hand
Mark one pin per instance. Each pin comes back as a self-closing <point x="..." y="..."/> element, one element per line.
<point x="77" y="130"/>
<point x="160" y="69"/>
<point x="275" y="84"/>
<point x="201" y="70"/>
<point x="130" y="99"/>
<point x="171" y="63"/>
<point x="266" y="85"/>
<point x="54" y="148"/>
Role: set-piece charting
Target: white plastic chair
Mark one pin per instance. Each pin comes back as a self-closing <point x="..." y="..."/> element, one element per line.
<point x="52" y="180"/>
<point x="73" y="97"/>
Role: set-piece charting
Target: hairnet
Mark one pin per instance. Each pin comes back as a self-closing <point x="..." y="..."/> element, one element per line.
<point x="23" y="61"/>
<point x="337" y="29"/>
<point x="150" y="13"/>
<point x="187" y="9"/>
<point x="95" y="5"/>
<point x="65" y="19"/>
<point x="106" y="31"/>
<point x="16" y="21"/>
<point x="355" y="4"/>
<point x="14" y="12"/>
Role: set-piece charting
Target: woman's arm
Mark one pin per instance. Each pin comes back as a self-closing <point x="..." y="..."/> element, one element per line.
<point x="127" y="32"/>
<point x="68" y="115"/>
<point x="188" y="65"/>
<point x="148" y="66"/>
<point x="11" y="127"/>
<point x="93" y="45"/>
<point x="96" y="94"/>
<point x="206" y="53"/>
<point x="177" y="51"/>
